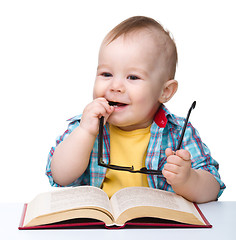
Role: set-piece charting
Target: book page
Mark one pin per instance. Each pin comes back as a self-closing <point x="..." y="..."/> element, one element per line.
<point x="142" y="196"/>
<point x="67" y="198"/>
<point x="76" y="197"/>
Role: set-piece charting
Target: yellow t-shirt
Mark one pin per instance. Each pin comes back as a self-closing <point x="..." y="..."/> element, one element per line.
<point x="127" y="148"/>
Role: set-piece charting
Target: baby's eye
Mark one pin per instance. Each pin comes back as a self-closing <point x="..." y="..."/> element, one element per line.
<point x="106" y="74"/>
<point x="133" y="77"/>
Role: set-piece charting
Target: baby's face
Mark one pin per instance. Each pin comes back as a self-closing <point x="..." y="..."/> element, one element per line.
<point x="131" y="74"/>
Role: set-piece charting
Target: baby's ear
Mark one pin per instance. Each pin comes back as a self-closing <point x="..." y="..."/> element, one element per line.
<point x="169" y="89"/>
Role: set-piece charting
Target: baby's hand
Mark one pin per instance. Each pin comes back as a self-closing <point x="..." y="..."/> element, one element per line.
<point x="93" y="112"/>
<point x="177" y="170"/>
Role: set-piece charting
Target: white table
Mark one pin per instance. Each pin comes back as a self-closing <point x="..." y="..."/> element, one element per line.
<point x="222" y="215"/>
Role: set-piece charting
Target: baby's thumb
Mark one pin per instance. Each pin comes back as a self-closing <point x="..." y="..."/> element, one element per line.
<point x="169" y="152"/>
<point x="108" y="113"/>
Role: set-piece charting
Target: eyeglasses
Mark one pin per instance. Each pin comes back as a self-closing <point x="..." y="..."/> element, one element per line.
<point x="143" y="170"/>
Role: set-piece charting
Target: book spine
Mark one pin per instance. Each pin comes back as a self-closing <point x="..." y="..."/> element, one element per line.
<point x="22" y="216"/>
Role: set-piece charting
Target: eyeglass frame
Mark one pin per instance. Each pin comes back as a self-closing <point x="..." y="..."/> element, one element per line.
<point x="143" y="170"/>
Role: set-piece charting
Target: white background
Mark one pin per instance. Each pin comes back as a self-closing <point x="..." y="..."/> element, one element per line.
<point x="48" y="58"/>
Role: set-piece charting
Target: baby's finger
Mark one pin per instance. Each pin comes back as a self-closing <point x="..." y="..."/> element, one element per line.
<point x="172" y="168"/>
<point x="174" y="159"/>
<point x="109" y="109"/>
<point x="184" y="154"/>
<point x="170" y="176"/>
<point x="106" y="109"/>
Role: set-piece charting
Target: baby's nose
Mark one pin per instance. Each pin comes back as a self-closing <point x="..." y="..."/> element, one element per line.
<point x="117" y="85"/>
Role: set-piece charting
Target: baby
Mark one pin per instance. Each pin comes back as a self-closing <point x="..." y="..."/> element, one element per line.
<point x="135" y="77"/>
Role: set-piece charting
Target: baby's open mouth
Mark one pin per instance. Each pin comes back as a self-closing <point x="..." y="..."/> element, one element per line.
<point x="116" y="104"/>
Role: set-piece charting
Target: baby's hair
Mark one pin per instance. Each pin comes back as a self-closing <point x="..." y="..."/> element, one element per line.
<point x="139" y="23"/>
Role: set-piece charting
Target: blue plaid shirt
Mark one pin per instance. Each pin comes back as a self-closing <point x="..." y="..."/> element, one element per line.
<point x="165" y="133"/>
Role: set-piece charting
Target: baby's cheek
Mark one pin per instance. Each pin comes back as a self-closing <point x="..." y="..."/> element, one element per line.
<point x="98" y="90"/>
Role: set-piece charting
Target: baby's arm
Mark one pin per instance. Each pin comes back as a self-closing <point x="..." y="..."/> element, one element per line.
<point x="71" y="157"/>
<point x="196" y="185"/>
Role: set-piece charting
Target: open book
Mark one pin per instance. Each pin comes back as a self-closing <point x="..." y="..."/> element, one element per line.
<point x="87" y="205"/>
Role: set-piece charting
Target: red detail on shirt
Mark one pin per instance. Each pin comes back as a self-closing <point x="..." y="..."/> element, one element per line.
<point x="160" y="118"/>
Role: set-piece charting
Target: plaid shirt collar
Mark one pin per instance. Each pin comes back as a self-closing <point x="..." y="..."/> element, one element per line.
<point x="163" y="116"/>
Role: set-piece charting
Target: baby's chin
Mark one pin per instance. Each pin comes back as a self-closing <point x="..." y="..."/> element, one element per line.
<point x="125" y="126"/>
<point x="128" y="124"/>
<point x="118" y="123"/>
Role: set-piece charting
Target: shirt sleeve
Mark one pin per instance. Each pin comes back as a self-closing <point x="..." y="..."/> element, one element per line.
<point x="200" y="155"/>
<point x="84" y="179"/>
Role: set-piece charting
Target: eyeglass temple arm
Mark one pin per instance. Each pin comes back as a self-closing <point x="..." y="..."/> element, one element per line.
<point x="185" y="125"/>
<point x="100" y="141"/>
<point x="100" y="151"/>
